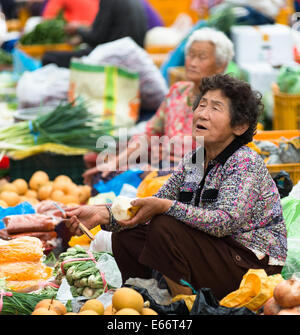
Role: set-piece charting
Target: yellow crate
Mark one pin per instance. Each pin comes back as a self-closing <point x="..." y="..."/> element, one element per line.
<point x="170" y="9"/>
<point x="38" y="50"/>
<point x="292" y="168"/>
<point x="274" y="136"/>
<point x="286" y="112"/>
<point x="176" y="73"/>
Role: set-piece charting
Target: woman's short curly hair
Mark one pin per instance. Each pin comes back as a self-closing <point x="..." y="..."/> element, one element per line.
<point x="245" y="104"/>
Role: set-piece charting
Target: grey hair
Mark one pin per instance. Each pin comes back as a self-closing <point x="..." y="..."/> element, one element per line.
<point x="224" y="46"/>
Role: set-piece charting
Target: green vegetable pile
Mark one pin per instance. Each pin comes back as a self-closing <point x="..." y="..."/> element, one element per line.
<point x="68" y="124"/>
<point x="83" y="276"/>
<point x="288" y="79"/>
<point x="46" y="32"/>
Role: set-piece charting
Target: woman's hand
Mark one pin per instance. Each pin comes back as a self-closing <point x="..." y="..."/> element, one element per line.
<point x="105" y="169"/>
<point x="90" y="216"/>
<point x="149" y="207"/>
<point x="71" y="28"/>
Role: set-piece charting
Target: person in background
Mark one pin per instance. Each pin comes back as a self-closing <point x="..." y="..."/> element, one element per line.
<point x="207" y="52"/>
<point x="83" y="12"/>
<point x="115" y="19"/>
<point x="8" y="8"/>
<point x="153" y="17"/>
<point x="217" y="216"/>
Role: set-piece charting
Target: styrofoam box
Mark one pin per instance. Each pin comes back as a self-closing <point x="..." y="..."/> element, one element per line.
<point x="272" y="43"/>
<point x="260" y="75"/>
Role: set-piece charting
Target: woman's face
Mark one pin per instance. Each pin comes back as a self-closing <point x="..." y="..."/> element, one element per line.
<point x="200" y="62"/>
<point x="212" y="120"/>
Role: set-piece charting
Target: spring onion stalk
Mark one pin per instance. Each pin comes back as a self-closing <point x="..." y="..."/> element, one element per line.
<point x="68" y="124"/>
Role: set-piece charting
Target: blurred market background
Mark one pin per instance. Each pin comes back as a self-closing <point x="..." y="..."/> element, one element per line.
<point x="266" y="38"/>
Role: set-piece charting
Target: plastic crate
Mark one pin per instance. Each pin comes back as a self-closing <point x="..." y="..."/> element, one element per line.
<point x="53" y="164"/>
<point x="274" y="136"/>
<point x="38" y="50"/>
<point x="286" y="112"/>
<point x="293" y="169"/>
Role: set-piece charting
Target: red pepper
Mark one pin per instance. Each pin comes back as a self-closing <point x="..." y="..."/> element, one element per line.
<point x="4" y="163"/>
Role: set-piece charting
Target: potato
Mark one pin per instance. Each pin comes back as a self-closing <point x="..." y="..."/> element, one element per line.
<point x="287" y="293"/>
<point x="271" y="307"/>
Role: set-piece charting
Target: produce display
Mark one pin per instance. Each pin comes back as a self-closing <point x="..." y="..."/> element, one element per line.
<point x="285" y="300"/>
<point x="40" y="188"/>
<point x="46" y="32"/>
<point x="79" y="268"/>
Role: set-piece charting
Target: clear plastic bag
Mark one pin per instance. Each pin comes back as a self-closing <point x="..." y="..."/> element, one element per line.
<point x="27" y="249"/>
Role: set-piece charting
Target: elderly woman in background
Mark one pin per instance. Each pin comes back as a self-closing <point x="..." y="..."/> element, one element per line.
<point x="207" y="52"/>
<point x="216" y="217"/>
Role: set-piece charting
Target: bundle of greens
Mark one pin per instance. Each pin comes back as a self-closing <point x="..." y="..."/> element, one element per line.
<point x="46" y="32"/>
<point x="22" y="303"/>
<point x="83" y="276"/>
<point x="68" y="124"/>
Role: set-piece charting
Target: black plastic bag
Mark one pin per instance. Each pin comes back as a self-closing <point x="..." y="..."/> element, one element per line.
<point x="207" y="304"/>
<point x="284" y="183"/>
<point x="175" y="308"/>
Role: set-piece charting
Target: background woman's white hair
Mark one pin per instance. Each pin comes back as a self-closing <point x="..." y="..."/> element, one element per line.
<point x="224" y="46"/>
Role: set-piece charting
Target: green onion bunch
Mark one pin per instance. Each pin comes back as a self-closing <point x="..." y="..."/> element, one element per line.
<point x="69" y="124"/>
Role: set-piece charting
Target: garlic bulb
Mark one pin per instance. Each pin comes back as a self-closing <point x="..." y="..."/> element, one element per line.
<point x="122" y="209"/>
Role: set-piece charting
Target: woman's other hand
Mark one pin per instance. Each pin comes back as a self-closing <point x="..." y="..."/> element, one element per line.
<point x="149" y="207"/>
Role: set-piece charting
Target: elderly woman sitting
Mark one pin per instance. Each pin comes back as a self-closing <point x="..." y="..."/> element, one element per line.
<point x="207" y="52"/>
<point x="214" y="218"/>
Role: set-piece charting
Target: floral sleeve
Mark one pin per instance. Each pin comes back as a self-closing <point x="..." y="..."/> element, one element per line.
<point x="237" y="195"/>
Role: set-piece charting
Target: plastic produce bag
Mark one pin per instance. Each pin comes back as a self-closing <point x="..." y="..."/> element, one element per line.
<point x="21" y="264"/>
<point x="48" y="86"/>
<point x="291" y="214"/>
<point x="27" y="249"/>
<point x="22" y="208"/>
<point x="284" y="183"/>
<point x="23" y="63"/>
<point x="131" y="177"/>
<point x="151" y="184"/>
<point x="255" y="289"/>
<point x="207" y="304"/>
<point x="108" y="266"/>
<point x="110" y="91"/>
<point x="124" y="52"/>
<point x="23" y="271"/>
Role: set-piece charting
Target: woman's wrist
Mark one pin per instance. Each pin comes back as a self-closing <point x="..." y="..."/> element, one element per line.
<point x="165" y="205"/>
